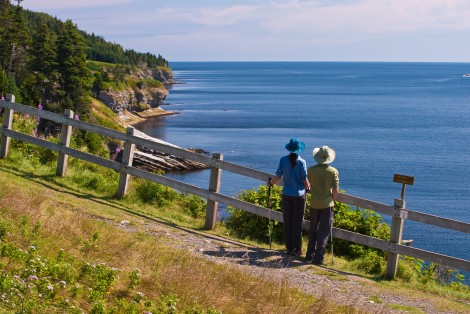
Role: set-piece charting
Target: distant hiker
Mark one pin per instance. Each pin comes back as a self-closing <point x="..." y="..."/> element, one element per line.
<point x="325" y="184"/>
<point x="293" y="170"/>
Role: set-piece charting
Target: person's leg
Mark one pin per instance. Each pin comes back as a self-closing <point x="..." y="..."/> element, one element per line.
<point x="326" y="219"/>
<point x="298" y="211"/>
<point x="287" y="217"/>
<point x="312" y="236"/>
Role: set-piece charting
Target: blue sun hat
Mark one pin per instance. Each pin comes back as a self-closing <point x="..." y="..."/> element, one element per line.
<point x="324" y="155"/>
<point x="295" y="146"/>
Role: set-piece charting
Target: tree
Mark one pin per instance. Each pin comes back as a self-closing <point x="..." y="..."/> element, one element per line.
<point x="15" y="41"/>
<point x="97" y="84"/>
<point x="43" y="76"/>
<point x="74" y="77"/>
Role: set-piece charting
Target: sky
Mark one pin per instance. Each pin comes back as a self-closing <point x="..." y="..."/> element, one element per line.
<point x="276" y="30"/>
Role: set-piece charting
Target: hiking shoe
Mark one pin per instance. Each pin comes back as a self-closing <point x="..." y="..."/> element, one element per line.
<point x="318" y="263"/>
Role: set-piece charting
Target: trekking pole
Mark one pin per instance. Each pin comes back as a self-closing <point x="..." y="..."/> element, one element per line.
<point x="270" y="231"/>
<point x="331" y="234"/>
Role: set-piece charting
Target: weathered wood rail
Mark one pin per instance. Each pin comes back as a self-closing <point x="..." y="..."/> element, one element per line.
<point x="398" y="211"/>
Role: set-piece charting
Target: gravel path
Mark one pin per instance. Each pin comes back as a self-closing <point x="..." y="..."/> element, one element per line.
<point x="342" y="288"/>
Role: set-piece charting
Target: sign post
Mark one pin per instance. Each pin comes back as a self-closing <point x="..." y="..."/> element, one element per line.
<point x="400" y="178"/>
<point x="398" y="220"/>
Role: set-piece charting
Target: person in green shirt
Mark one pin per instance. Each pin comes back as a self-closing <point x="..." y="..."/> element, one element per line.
<point x="324" y="180"/>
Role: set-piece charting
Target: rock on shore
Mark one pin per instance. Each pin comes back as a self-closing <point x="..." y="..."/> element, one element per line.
<point x="150" y="160"/>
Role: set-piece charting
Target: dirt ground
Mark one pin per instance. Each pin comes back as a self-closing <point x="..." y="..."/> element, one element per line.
<point x="276" y="266"/>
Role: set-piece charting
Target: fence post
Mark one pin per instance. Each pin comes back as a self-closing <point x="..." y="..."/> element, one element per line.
<point x="65" y="136"/>
<point x="214" y="186"/>
<point x="396" y="234"/>
<point x="127" y="157"/>
<point x="7" y="124"/>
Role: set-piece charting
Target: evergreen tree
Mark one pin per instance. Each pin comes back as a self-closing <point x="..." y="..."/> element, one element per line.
<point x="5" y="25"/>
<point x="74" y="81"/>
<point x="98" y="84"/>
<point x="15" y="41"/>
<point x="43" y="75"/>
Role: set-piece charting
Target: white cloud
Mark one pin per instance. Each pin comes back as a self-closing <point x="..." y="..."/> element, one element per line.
<point x="266" y="27"/>
<point x="370" y="16"/>
<point x="46" y="5"/>
<point x="225" y="16"/>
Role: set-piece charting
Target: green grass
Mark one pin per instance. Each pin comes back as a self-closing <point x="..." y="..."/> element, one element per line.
<point x="61" y="253"/>
<point x="66" y="216"/>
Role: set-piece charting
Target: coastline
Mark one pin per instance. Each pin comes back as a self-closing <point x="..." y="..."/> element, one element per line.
<point x="132" y="118"/>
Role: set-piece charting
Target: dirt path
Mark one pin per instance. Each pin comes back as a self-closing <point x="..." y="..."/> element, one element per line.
<point x="342" y="288"/>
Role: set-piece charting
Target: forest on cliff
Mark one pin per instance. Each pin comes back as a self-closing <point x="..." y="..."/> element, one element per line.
<point x="48" y="61"/>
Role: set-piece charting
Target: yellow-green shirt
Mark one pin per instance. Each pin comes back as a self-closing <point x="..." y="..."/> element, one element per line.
<point x="323" y="179"/>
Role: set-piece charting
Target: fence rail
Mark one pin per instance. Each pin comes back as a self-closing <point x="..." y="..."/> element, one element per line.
<point x="398" y="211"/>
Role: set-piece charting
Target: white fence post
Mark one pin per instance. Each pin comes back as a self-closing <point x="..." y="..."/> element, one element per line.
<point x="65" y="136"/>
<point x="127" y="157"/>
<point x="214" y="186"/>
<point x="7" y="124"/>
<point x="396" y="233"/>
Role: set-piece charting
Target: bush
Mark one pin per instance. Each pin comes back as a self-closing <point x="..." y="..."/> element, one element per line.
<point x="193" y="205"/>
<point x="36" y="154"/>
<point x="154" y="193"/>
<point x="247" y="225"/>
<point x="361" y="221"/>
<point x="251" y="226"/>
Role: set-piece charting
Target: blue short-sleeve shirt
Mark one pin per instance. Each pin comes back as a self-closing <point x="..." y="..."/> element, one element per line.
<point x="293" y="177"/>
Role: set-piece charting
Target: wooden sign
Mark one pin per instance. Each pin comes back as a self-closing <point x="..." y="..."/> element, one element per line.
<point x="400" y="178"/>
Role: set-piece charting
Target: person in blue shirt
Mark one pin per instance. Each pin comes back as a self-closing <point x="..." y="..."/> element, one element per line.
<point x="292" y="170"/>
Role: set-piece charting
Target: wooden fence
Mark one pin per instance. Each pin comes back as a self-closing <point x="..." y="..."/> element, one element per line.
<point x="398" y="211"/>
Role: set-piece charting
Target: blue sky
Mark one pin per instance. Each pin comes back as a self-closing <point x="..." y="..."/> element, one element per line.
<point x="277" y="30"/>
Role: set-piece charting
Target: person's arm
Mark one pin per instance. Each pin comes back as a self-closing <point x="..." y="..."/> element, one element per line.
<point x="334" y="194"/>
<point x="273" y="181"/>
<point x="306" y="184"/>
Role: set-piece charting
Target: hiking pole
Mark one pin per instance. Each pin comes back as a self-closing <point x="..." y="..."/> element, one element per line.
<point x="270" y="231"/>
<point x="331" y="233"/>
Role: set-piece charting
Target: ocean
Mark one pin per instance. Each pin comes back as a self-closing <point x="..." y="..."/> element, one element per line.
<point x="380" y="118"/>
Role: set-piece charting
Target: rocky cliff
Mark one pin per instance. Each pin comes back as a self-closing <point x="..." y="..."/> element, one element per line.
<point x="139" y="97"/>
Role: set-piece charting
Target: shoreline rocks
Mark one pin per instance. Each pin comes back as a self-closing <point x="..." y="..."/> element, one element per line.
<point x="152" y="161"/>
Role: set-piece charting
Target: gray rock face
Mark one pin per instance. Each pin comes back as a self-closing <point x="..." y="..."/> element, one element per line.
<point x="139" y="98"/>
<point x="133" y="99"/>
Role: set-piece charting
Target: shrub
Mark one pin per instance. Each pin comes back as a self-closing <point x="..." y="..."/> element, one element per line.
<point x="193" y="205"/>
<point x="154" y="193"/>
<point x="247" y="225"/>
<point x="361" y="221"/>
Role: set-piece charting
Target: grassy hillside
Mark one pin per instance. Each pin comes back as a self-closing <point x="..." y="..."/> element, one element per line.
<point x="62" y="251"/>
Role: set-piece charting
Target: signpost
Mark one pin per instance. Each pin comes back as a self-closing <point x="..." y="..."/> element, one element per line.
<point x="398" y="219"/>
<point x="400" y="178"/>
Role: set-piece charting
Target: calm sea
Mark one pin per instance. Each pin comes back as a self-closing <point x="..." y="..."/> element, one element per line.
<point x="381" y="118"/>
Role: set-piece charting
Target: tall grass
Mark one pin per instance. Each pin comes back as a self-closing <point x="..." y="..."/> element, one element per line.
<point x="59" y="257"/>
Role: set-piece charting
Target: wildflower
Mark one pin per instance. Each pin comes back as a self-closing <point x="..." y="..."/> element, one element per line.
<point x="32" y="248"/>
<point x="63" y="283"/>
<point x="50" y="287"/>
<point x="26" y="116"/>
<point x="33" y="277"/>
